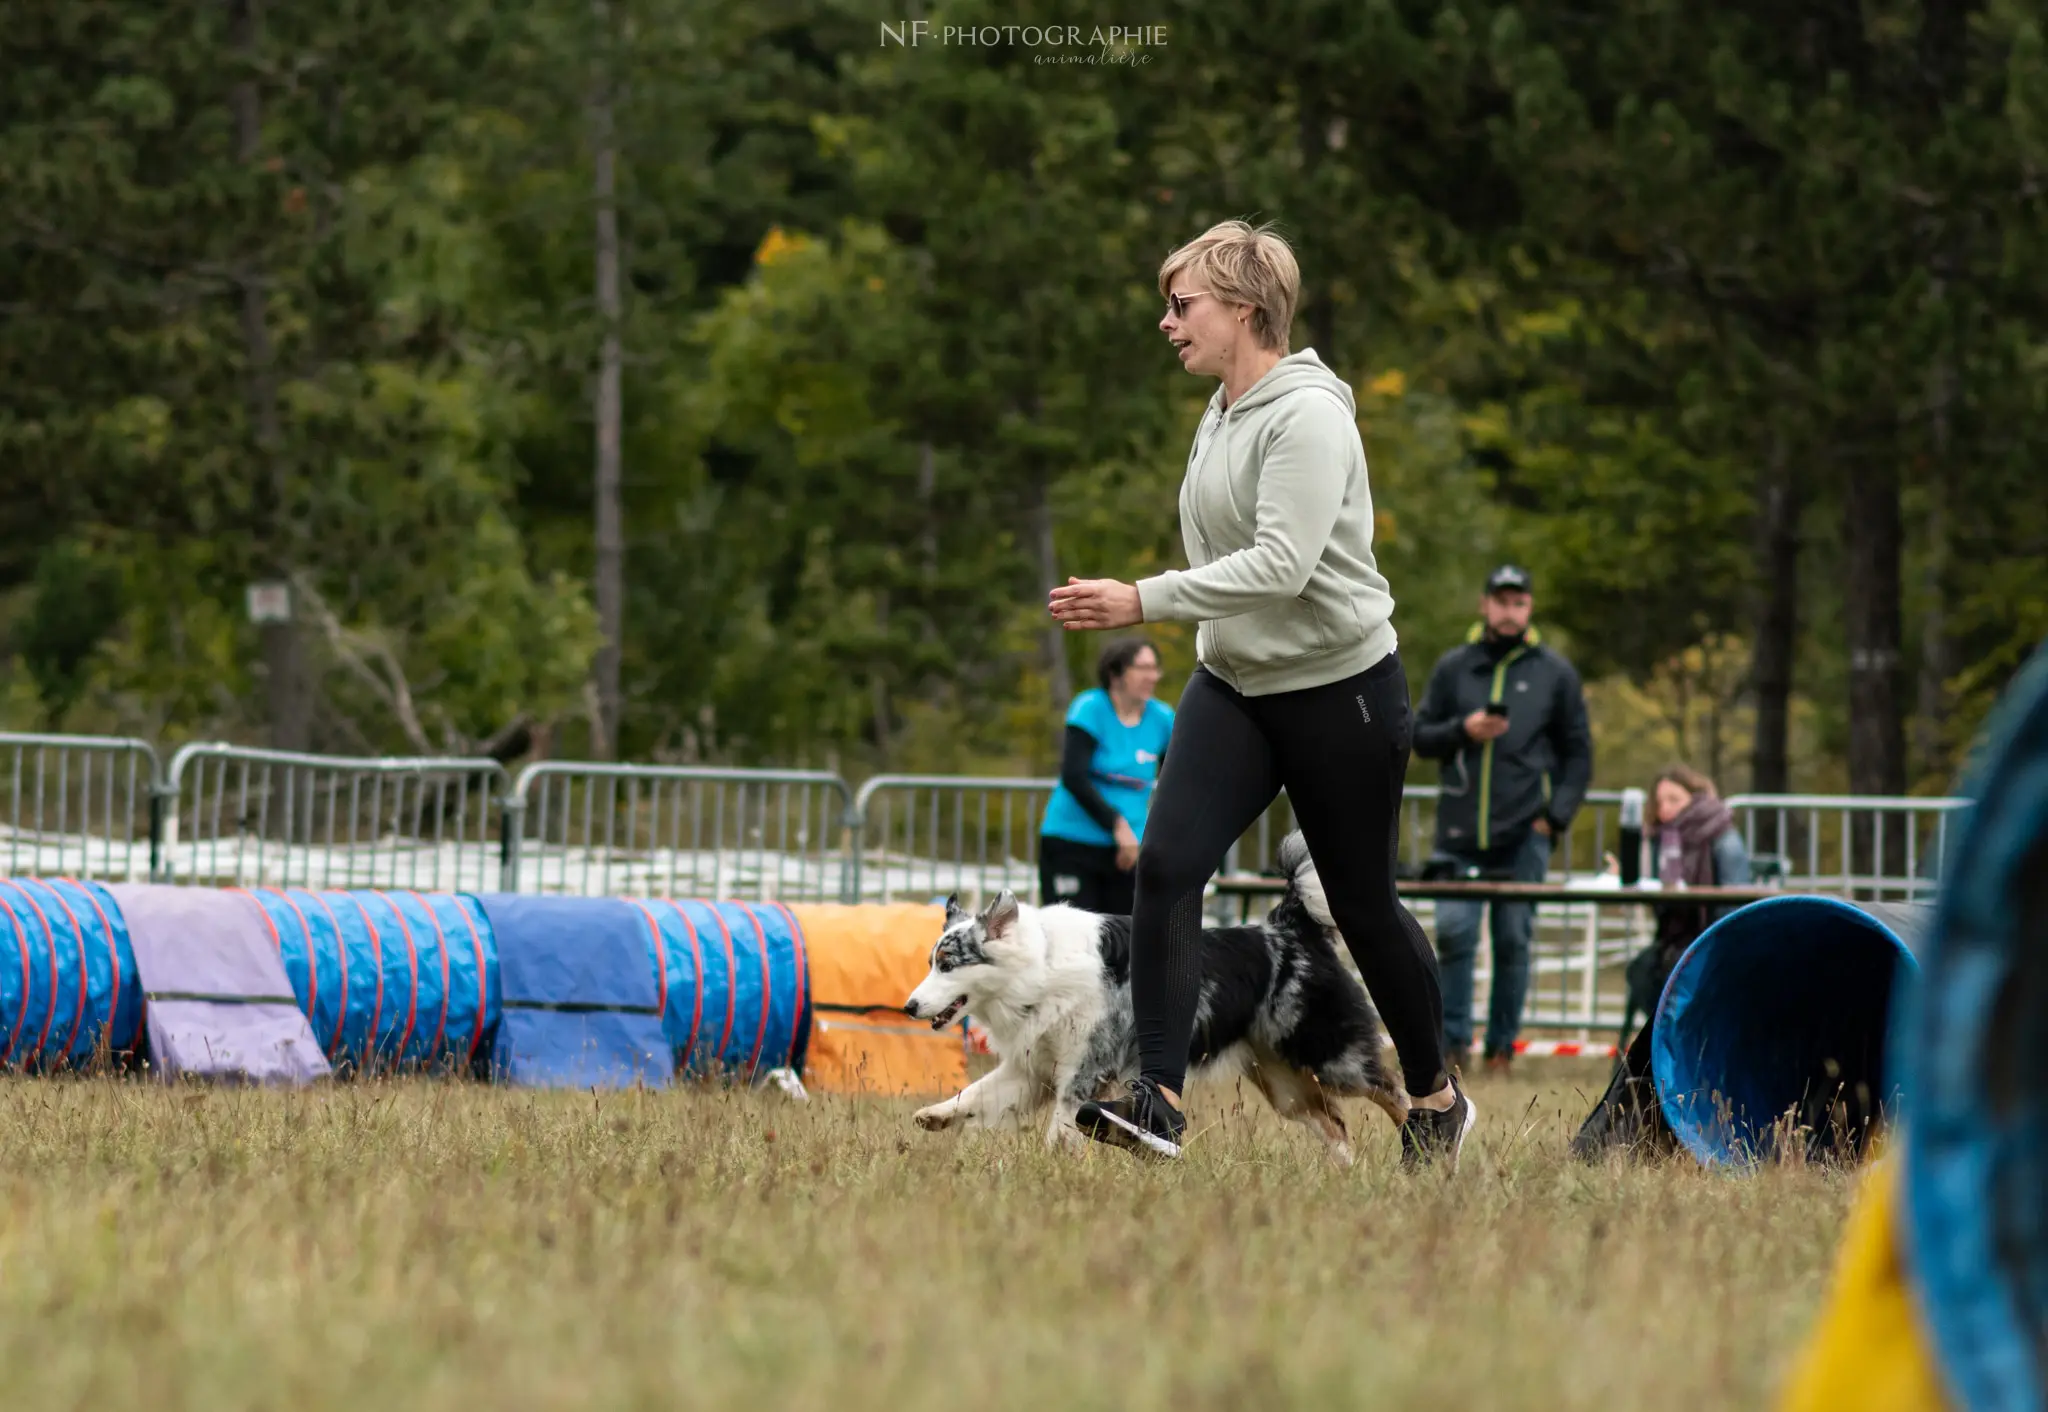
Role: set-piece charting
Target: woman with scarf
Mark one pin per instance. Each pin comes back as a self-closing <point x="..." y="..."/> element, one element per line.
<point x="1697" y="845"/>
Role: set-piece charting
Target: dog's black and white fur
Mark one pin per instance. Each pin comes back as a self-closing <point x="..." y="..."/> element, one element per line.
<point x="1052" y="986"/>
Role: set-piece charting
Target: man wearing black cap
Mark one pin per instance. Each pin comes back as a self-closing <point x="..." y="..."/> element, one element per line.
<point x="1507" y="718"/>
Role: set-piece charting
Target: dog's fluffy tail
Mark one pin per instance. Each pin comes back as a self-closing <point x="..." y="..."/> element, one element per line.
<point x="1301" y="872"/>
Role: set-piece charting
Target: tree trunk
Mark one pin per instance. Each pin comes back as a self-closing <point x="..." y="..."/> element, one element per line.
<point x="1059" y="680"/>
<point x="288" y="700"/>
<point x="1937" y="662"/>
<point x="1319" y="311"/>
<point x="1877" y="741"/>
<point x="928" y="531"/>
<point x="1777" y="633"/>
<point x="611" y="540"/>
<point x="878" y="683"/>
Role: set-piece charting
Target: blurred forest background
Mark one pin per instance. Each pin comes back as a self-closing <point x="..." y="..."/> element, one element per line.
<point x="712" y="380"/>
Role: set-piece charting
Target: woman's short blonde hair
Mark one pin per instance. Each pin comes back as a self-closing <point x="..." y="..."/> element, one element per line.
<point x="1240" y="263"/>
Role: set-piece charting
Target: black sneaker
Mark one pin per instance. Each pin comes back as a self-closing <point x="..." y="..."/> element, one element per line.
<point x="1428" y="1136"/>
<point x="1142" y="1121"/>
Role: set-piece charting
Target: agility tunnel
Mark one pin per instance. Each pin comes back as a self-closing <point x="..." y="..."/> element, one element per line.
<point x="387" y="979"/>
<point x="68" y="979"/>
<point x="740" y="976"/>
<point x="270" y="984"/>
<point x="263" y="984"/>
<point x="1940" y="1294"/>
<point x="1973" y="1065"/>
<point x="217" y="1004"/>
<point x="865" y="961"/>
<point x="1783" y="1006"/>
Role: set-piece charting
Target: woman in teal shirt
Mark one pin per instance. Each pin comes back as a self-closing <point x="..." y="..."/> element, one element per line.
<point x="1116" y="738"/>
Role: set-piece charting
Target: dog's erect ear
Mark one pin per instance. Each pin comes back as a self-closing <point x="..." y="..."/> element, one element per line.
<point x="953" y="911"/>
<point x="1001" y="917"/>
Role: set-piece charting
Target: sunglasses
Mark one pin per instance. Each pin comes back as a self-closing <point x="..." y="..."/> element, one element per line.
<point x="1177" y="304"/>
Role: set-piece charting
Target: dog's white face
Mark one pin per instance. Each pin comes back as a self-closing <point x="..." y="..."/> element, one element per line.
<point x="967" y="963"/>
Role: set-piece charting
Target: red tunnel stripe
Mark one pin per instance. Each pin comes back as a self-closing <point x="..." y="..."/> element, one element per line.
<point x="113" y="956"/>
<point x="312" y="960"/>
<point x="78" y="931"/>
<point x="731" y="977"/>
<point x="441" y="938"/>
<point x="50" y="945"/>
<point x="412" y="959"/>
<point x="21" y="945"/>
<point x="660" y="960"/>
<point x="341" y="954"/>
<point x="697" y="969"/>
<point x="476" y="941"/>
<point x="767" y="987"/>
<point x="376" y="954"/>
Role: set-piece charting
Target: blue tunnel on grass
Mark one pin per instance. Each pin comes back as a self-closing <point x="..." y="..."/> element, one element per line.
<point x="735" y="984"/>
<point x="389" y="979"/>
<point x="1972" y="1060"/>
<point x="1785" y="1004"/>
<point x="68" y="982"/>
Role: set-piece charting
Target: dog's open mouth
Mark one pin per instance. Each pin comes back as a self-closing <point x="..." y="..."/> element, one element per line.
<point x="951" y="1013"/>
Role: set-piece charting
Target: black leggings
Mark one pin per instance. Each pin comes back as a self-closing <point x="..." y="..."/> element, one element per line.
<point x="1341" y="753"/>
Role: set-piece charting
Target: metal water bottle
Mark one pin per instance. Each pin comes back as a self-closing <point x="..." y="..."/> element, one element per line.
<point x="1631" y="837"/>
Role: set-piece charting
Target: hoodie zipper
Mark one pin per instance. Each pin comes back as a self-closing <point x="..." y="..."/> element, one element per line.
<point x="1500" y="678"/>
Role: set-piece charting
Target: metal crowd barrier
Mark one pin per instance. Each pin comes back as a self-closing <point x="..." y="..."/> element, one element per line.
<point x="926" y="836"/>
<point x="679" y="831"/>
<point x="1595" y="832"/>
<point x="78" y="806"/>
<point x="107" y="808"/>
<point x="234" y="816"/>
<point x="1859" y="846"/>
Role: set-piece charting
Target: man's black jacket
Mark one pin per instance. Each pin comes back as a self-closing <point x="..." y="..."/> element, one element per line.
<point x="1493" y="791"/>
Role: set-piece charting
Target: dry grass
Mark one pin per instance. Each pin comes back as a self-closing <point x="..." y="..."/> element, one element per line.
<point x="415" y="1245"/>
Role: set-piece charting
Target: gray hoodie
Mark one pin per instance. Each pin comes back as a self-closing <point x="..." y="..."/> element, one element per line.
<point x="1276" y="517"/>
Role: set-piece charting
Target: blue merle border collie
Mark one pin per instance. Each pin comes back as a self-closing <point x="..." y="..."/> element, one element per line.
<point x="1052" y="986"/>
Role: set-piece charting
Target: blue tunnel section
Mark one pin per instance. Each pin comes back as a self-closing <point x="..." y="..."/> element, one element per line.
<point x="735" y="989"/>
<point x="1783" y="1006"/>
<point x="581" y="1002"/>
<point x="389" y="979"/>
<point x="1973" y="1065"/>
<point x="68" y="983"/>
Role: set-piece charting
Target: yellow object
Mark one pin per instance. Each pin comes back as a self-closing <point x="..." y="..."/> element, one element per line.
<point x="1868" y="1352"/>
<point x="865" y="960"/>
<point x="777" y="244"/>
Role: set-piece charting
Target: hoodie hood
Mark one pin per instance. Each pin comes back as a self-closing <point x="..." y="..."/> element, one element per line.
<point x="1292" y="374"/>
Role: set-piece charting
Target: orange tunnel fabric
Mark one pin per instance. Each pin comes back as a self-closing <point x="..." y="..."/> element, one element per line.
<point x="865" y="961"/>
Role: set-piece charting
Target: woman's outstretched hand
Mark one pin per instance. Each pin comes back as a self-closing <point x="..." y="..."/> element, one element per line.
<point x="1089" y="605"/>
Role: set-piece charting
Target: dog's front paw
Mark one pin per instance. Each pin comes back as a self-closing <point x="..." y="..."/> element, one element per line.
<point x="1063" y="1136"/>
<point x="932" y="1120"/>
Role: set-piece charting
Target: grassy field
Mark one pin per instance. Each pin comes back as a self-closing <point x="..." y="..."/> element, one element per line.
<point x="410" y="1245"/>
